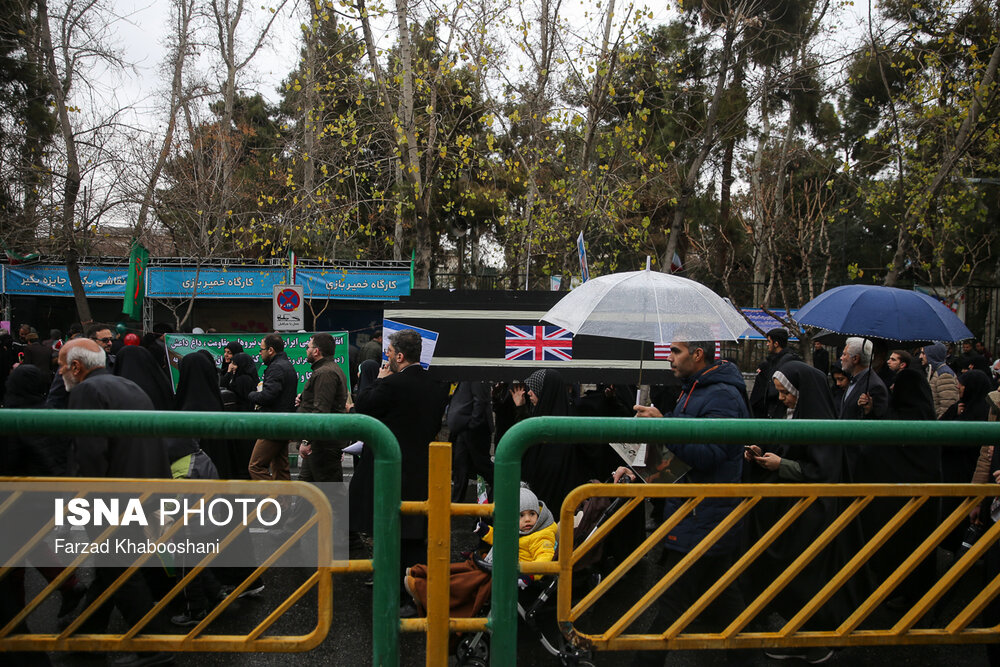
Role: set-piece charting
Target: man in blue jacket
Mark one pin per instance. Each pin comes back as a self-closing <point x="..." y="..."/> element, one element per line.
<point x="710" y="389"/>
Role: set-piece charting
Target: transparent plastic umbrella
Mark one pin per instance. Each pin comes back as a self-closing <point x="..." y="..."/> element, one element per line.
<point x="649" y="306"/>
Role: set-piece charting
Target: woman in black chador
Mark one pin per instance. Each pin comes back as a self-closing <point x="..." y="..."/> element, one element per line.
<point x="806" y="395"/>
<point x="551" y="469"/>
<point x="909" y="400"/>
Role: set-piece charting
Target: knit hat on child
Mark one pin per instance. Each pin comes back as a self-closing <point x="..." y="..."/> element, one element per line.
<point x="529" y="501"/>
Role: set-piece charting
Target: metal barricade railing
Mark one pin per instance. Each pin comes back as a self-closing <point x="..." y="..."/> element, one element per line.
<point x="736" y="635"/>
<point x="194" y="639"/>
<point x="507" y="474"/>
<point x="385" y="561"/>
<point x="439" y="510"/>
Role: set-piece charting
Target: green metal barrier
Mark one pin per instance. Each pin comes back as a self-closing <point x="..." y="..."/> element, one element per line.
<point x="385" y="604"/>
<point x="507" y="471"/>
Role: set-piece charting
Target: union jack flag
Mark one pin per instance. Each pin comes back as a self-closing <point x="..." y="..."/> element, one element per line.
<point x="662" y="351"/>
<point x="538" y="343"/>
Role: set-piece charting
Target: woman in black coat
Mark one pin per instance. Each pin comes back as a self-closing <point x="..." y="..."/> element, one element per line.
<point x="805" y="393"/>
<point x="959" y="463"/>
<point x="198" y="391"/>
<point x="362" y="485"/>
<point x="910" y="399"/>
<point x="36" y="456"/>
<point x="138" y="365"/>
<point x="232" y="349"/>
<point x="552" y="470"/>
<point x="241" y="378"/>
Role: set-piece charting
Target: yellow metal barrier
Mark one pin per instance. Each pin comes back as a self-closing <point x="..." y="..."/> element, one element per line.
<point x="194" y="639"/>
<point x="439" y="510"/>
<point x="958" y="629"/>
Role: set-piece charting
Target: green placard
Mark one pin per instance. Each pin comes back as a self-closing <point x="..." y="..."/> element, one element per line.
<point x="295" y="347"/>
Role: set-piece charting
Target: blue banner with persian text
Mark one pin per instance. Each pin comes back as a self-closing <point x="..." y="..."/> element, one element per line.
<point x="181" y="282"/>
<point x="176" y="282"/>
<point x="365" y="285"/>
<point x="48" y="280"/>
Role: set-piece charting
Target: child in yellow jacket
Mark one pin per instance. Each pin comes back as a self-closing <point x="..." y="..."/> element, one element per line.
<point x="470" y="585"/>
<point x="537" y="527"/>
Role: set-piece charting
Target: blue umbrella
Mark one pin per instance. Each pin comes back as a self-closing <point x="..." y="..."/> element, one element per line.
<point x="874" y="311"/>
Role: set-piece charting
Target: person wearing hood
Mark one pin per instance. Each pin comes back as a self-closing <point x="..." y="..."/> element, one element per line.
<point x="241" y="378"/>
<point x="943" y="381"/>
<point x="711" y="389"/>
<point x="763" y="398"/>
<point x="470" y="583"/>
<point x="362" y="485"/>
<point x="909" y="400"/>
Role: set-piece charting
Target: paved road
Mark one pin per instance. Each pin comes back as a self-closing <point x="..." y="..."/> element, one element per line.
<point x="349" y="641"/>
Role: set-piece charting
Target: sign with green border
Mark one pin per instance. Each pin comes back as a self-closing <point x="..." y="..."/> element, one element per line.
<point x="179" y="345"/>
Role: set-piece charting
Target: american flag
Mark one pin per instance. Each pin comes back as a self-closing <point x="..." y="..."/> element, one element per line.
<point x="538" y="343"/>
<point x="662" y="351"/>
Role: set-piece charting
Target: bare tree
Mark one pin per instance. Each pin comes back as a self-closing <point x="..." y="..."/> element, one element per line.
<point x="71" y="41"/>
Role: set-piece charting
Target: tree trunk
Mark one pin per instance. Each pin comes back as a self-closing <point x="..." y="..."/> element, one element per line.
<point x="71" y="187"/>
<point x="707" y="141"/>
<point x="185" y="10"/>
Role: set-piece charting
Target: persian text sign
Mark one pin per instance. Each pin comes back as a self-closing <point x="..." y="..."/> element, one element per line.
<point x="287" y="306"/>
<point x="179" y="345"/>
<point x="180" y="282"/>
<point x="184" y="282"/>
<point x="354" y="285"/>
<point x="48" y="280"/>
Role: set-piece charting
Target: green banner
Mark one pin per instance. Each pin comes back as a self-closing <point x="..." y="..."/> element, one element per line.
<point x="135" y="286"/>
<point x="179" y="345"/>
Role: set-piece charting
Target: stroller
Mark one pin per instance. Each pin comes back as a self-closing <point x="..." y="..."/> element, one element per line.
<point x="535" y="603"/>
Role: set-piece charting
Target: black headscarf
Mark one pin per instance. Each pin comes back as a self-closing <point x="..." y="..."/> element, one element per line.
<point x="367" y="373"/>
<point x="245" y="366"/>
<point x="198" y="386"/>
<point x="138" y="365"/>
<point x="911" y="396"/>
<point x="26" y="387"/>
<point x="553" y="399"/>
<point x="235" y="348"/>
<point x="977" y="408"/>
<point x="814" y="400"/>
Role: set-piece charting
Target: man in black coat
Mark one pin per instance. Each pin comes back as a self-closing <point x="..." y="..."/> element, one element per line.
<point x="866" y="396"/>
<point x="410" y="403"/>
<point x="821" y="358"/>
<point x="269" y="459"/>
<point x="82" y="365"/>
<point x="92" y="387"/>
<point x="470" y="424"/>
<point x="764" y="401"/>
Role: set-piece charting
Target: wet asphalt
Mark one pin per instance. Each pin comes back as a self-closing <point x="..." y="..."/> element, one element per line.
<point x="349" y="641"/>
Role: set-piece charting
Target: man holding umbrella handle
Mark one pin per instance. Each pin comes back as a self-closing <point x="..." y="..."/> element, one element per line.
<point x="866" y="397"/>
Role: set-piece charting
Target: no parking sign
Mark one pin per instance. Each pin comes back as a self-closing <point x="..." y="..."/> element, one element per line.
<point x="287" y="307"/>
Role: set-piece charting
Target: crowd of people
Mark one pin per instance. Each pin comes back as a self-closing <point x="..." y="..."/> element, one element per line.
<point x="97" y="367"/>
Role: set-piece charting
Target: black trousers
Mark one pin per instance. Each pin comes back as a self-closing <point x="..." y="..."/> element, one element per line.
<point x="470" y="456"/>
<point x="685" y="592"/>
<point x="323" y="464"/>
